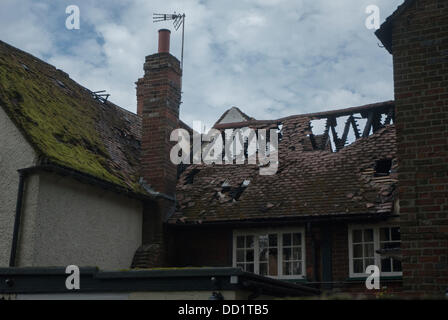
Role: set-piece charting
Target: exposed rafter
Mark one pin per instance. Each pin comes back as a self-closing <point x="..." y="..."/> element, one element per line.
<point x="373" y="123"/>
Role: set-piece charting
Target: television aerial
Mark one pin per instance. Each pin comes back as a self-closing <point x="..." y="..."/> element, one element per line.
<point x="178" y="20"/>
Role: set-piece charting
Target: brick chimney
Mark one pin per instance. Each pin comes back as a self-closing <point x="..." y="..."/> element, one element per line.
<point x="158" y="99"/>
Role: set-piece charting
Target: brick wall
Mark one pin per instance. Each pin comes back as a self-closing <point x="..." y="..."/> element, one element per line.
<point x="158" y="99"/>
<point x="420" y="54"/>
<point x="199" y="247"/>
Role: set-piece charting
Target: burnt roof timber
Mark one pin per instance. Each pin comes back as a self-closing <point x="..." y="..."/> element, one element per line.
<point x="382" y="107"/>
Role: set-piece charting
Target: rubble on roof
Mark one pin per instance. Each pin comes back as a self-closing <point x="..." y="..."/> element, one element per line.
<point x="314" y="178"/>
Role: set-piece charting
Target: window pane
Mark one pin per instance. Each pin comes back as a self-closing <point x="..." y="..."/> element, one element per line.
<point x="368" y="262"/>
<point x="386" y="265"/>
<point x="286" y="239"/>
<point x="240" y="242"/>
<point x="273" y="265"/>
<point x="297" y="239"/>
<point x="297" y="268"/>
<point x="263" y="269"/>
<point x="240" y="255"/>
<point x="368" y="250"/>
<point x="368" y="235"/>
<point x="384" y="234"/>
<point x="250" y="255"/>
<point x="286" y="254"/>
<point x="240" y="265"/>
<point x="272" y="240"/>
<point x="357" y="236"/>
<point x="263" y="242"/>
<point x="395" y="233"/>
<point x="396" y="265"/>
<point x="296" y="254"/>
<point x="357" y="266"/>
<point x="357" y="251"/>
<point x="249" y="241"/>
<point x="263" y="254"/>
<point x="286" y="268"/>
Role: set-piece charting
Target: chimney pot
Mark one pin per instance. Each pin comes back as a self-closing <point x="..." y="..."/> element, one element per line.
<point x="164" y="40"/>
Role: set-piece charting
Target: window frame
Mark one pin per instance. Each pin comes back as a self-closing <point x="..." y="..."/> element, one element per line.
<point x="376" y="246"/>
<point x="279" y="232"/>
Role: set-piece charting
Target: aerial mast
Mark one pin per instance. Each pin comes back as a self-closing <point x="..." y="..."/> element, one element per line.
<point x="178" y="20"/>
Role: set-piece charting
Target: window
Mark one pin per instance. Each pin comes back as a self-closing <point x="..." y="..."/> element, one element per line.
<point x="245" y="253"/>
<point x="270" y="253"/>
<point x="389" y="240"/>
<point x="374" y="245"/>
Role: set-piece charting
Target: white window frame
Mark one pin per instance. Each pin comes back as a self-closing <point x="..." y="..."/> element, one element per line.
<point x="256" y="233"/>
<point x="376" y="240"/>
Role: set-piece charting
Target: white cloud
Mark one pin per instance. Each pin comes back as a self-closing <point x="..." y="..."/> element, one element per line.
<point x="270" y="58"/>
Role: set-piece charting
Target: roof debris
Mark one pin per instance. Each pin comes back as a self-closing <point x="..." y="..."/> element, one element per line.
<point x="315" y="177"/>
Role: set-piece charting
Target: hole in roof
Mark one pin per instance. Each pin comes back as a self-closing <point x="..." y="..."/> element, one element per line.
<point x="382" y="167"/>
<point x="235" y="193"/>
<point x="225" y="184"/>
<point x="318" y="126"/>
<point x="280" y="132"/>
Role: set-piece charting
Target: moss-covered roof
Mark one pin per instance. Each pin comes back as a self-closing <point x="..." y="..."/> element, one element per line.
<point x="65" y="124"/>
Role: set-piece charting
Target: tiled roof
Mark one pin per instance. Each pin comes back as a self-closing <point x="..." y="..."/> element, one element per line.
<point x="236" y="111"/>
<point x="66" y="124"/>
<point x="310" y="181"/>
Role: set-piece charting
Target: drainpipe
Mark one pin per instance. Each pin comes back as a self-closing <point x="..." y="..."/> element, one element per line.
<point x="15" y="235"/>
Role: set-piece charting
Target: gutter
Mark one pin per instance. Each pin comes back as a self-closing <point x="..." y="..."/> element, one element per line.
<point x="283" y="220"/>
<point x="15" y="235"/>
<point x="87" y="178"/>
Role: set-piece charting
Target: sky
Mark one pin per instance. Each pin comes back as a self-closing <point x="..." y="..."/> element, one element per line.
<point x="270" y="58"/>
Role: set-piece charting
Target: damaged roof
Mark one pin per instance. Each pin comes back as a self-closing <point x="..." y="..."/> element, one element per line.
<point x="312" y="179"/>
<point x="67" y="124"/>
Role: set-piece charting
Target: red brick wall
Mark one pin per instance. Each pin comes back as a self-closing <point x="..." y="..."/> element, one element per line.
<point x="158" y="99"/>
<point x="420" y="54"/>
<point x="200" y="247"/>
<point x="340" y="258"/>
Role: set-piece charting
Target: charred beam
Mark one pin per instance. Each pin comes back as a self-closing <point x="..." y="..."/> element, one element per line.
<point x="368" y="125"/>
<point x="313" y="141"/>
<point x="376" y="122"/>
<point x="390" y="116"/>
<point x="336" y="140"/>
<point x="346" y="129"/>
<point x="325" y="136"/>
<point x="355" y="127"/>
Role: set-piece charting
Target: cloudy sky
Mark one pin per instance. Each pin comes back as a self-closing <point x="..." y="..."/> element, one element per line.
<point x="271" y="58"/>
